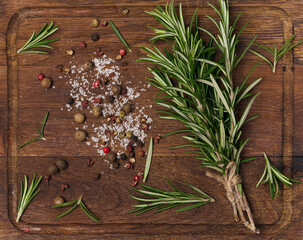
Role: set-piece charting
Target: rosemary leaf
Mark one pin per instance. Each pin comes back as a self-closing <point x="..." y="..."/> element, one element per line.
<point x="36" y="40"/>
<point x="271" y="175"/>
<point x="148" y="159"/>
<point x="166" y="200"/>
<point x="27" y="194"/>
<point x="119" y="35"/>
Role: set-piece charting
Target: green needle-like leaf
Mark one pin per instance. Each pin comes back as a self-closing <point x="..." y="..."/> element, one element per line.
<point x="37" y="40"/>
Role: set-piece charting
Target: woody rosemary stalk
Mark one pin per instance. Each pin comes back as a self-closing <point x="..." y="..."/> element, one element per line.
<point x="200" y="92"/>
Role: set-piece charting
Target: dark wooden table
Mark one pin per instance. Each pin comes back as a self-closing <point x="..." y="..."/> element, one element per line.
<point x="278" y="130"/>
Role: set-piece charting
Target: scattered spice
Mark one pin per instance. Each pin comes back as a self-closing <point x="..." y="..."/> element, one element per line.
<point x="119" y="57"/>
<point x="140" y="174"/>
<point x="70" y="101"/>
<point x="85" y="104"/>
<point x="26" y="230"/>
<point x="129" y="134"/>
<point x="122" y="52"/>
<point x="59" y="68"/>
<point x="82" y="45"/>
<point x="40" y="77"/>
<point x="129" y="148"/>
<point x="97" y="84"/>
<point x="87" y="66"/>
<point x="61" y="164"/>
<point x="106" y="150"/>
<point x="111" y="156"/>
<point x="157" y="138"/>
<point x="123" y="66"/>
<point x="64" y="186"/>
<point x="125" y="11"/>
<point x="67" y="70"/>
<point x="52" y="169"/>
<point x="58" y="200"/>
<point x="104" y="23"/>
<point x="99" y="53"/>
<point x="80" y="135"/>
<point x="97" y="111"/>
<point x="79" y="117"/>
<point x="127" y="165"/>
<point x="89" y="162"/>
<point x="70" y="52"/>
<point x="127" y="108"/>
<point x="123" y="156"/>
<point x="95" y="22"/>
<point x="46" y="83"/>
<point x="47" y="179"/>
<point x="116" y="89"/>
<point x="140" y="154"/>
<point x="95" y="37"/>
<point x="132" y="160"/>
<point x="98" y="100"/>
<point x="116" y="165"/>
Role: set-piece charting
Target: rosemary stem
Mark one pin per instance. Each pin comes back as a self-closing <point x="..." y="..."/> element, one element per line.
<point x="274" y="67"/>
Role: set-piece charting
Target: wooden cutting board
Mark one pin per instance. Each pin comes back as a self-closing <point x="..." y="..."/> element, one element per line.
<point x="25" y="103"/>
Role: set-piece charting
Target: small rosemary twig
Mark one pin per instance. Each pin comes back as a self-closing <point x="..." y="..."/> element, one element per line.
<point x="148" y="159"/>
<point x="277" y="54"/>
<point x="77" y="202"/>
<point x="119" y="35"/>
<point x="38" y="39"/>
<point x="271" y="175"/>
<point x="164" y="200"/>
<point x="27" y="194"/>
<point x="40" y="132"/>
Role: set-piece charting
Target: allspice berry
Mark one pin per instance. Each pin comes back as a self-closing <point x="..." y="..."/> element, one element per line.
<point x="116" y="89"/>
<point x="129" y="134"/>
<point x="87" y="66"/>
<point x="80" y="135"/>
<point x="111" y="156"/>
<point x="97" y="111"/>
<point x="95" y="37"/>
<point x="52" y="169"/>
<point x="95" y="22"/>
<point x="79" y="117"/>
<point x="46" y="83"/>
<point x="127" y="108"/>
<point x="121" y="135"/>
<point x="61" y="164"/>
<point x="58" y="200"/>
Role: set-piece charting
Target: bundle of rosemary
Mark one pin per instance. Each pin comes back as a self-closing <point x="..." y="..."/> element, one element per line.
<point x="200" y="92"/>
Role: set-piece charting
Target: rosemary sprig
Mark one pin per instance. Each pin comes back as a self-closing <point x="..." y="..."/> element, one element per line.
<point x="271" y="175"/>
<point x="119" y="35"/>
<point x="200" y="93"/>
<point x="163" y="200"/>
<point x="148" y="159"/>
<point x="27" y="194"/>
<point x="37" y="40"/>
<point x="77" y="202"/>
<point x="277" y="54"/>
<point x="40" y="132"/>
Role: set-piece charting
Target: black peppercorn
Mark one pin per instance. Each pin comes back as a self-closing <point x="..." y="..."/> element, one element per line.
<point x="134" y="138"/>
<point x="95" y="37"/>
<point x="123" y="156"/>
<point x="111" y="156"/>
<point x="111" y="99"/>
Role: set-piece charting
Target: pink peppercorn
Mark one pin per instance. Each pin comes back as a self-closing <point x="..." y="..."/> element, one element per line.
<point x="106" y="150"/>
<point x="136" y="178"/>
<point x="122" y="52"/>
<point x="98" y="100"/>
<point x="97" y="84"/>
<point x="85" y="103"/>
<point x="41" y="76"/>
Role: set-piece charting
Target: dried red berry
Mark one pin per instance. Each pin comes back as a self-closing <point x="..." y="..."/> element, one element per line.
<point x="136" y="178"/>
<point x="85" y="104"/>
<point x="89" y="162"/>
<point x="122" y="52"/>
<point x="82" y="45"/>
<point x="97" y="84"/>
<point x="140" y="153"/>
<point x="64" y="186"/>
<point x="41" y="76"/>
<point x="104" y="81"/>
<point x="140" y="174"/>
<point x="129" y="148"/>
<point x="106" y="149"/>
<point x="104" y="23"/>
<point x="145" y="126"/>
<point x="99" y="53"/>
<point x="26" y="230"/>
<point x="47" y="179"/>
<point x="111" y="75"/>
<point x="124" y="91"/>
<point x="98" y="100"/>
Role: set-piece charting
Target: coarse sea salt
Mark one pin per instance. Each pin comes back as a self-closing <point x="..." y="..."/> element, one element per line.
<point x="81" y="88"/>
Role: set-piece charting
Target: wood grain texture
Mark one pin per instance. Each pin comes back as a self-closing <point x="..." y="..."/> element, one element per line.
<point x="26" y="103"/>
